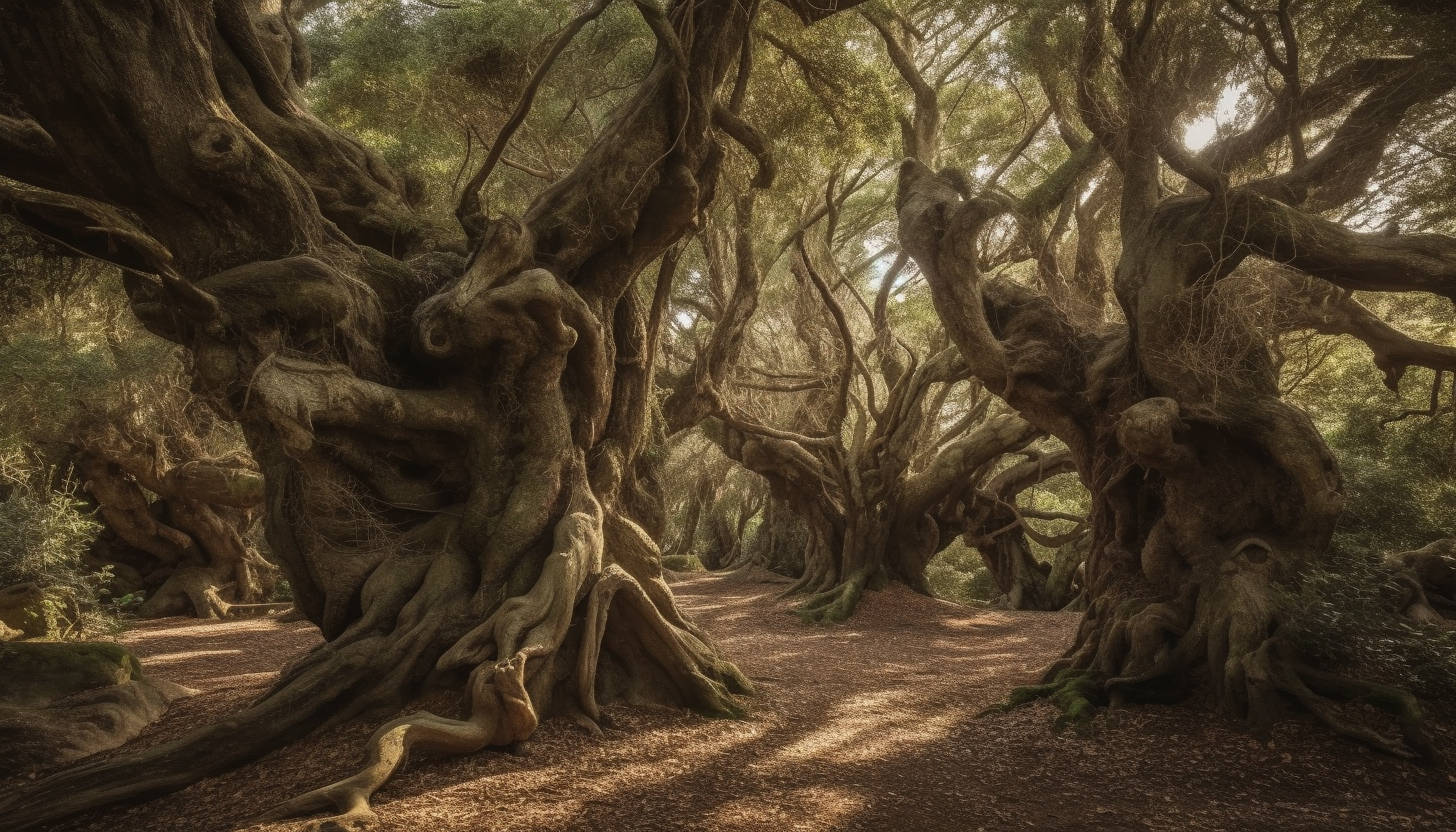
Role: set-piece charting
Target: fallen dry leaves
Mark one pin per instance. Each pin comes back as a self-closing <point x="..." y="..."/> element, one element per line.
<point x="869" y="725"/>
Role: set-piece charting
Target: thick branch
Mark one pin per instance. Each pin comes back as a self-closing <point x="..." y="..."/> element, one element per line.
<point x="1331" y="311"/>
<point x="999" y="435"/>
<point x="28" y="154"/>
<point x="1350" y="259"/>
<point x="1341" y="169"/>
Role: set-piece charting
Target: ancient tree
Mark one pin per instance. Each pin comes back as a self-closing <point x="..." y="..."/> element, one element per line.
<point x="878" y="441"/>
<point x="447" y="427"/>
<point x="877" y="445"/>
<point x="1209" y="490"/>
<point x="111" y="414"/>
<point x="176" y="515"/>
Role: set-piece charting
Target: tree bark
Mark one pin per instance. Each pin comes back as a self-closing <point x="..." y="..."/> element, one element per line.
<point x="447" y="448"/>
<point x="1208" y="490"/>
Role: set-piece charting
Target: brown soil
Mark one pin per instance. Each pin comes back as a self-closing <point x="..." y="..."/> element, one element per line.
<point x="870" y="725"/>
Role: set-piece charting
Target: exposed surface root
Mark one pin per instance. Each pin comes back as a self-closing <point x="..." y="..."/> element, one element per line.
<point x="500" y="713"/>
<point x="1076" y="693"/>
<point x="1249" y="681"/>
<point x="842" y="739"/>
<point x="506" y="696"/>
<point x="834" y="605"/>
<point x="705" y="684"/>
<point x="1275" y="667"/>
<point x="198" y="591"/>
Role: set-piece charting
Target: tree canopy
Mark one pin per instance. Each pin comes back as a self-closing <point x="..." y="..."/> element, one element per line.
<point x="512" y="302"/>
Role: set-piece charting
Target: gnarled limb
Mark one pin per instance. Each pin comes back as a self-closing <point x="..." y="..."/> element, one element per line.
<point x="191" y="535"/>
<point x="1208" y="490"/>
<point x="447" y="457"/>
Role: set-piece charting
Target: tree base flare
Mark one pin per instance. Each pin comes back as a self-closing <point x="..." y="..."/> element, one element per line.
<point x="1267" y="676"/>
<point x="504" y="695"/>
<point x="832" y="606"/>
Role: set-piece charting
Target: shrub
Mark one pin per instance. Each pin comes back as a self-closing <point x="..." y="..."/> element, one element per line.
<point x="682" y="563"/>
<point x="958" y="574"/>
<point x="44" y="535"/>
<point x="1342" y="615"/>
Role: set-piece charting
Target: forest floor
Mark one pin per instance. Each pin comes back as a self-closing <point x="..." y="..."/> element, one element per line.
<point x="870" y="725"/>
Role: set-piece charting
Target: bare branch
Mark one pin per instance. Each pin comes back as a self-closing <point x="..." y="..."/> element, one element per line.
<point x="1350" y="259"/>
<point x="846" y="378"/>
<point x="470" y="200"/>
<point x="752" y="140"/>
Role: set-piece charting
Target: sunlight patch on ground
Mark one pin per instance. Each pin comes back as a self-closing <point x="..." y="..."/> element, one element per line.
<point x="244" y="679"/>
<point x="813" y="808"/>
<point x="170" y="658"/>
<point x="872" y="726"/>
<point x="690" y="753"/>
<point x="163" y="628"/>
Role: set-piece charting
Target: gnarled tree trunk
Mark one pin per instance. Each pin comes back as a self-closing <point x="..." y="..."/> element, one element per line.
<point x="777" y="545"/>
<point x="445" y="444"/>
<point x="186" y="545"/>
<point x="1209" y="491"/>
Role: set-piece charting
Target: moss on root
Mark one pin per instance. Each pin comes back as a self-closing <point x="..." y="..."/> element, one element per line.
<point x="1076" y="693"/>
<point x="832" y="606"/>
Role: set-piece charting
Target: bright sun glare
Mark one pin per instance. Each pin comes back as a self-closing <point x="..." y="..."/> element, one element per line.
<point x="1203" y="130"/>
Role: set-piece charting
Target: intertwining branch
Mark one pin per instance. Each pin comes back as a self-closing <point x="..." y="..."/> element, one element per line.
<point x="1209" y="491"/>
<point x="449" y="446"/>
<point x="869" y="462"/>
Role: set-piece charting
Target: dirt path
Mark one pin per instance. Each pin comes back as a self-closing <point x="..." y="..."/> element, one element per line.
<point x="866" y="726"/>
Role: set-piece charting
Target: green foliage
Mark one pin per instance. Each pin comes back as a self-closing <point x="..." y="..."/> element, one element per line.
<point x="44" y="534"/>
<point x="1341" y="616"/>
<point x="70" y="352"/>
<point x="40" y="280"/>
<point x="428" y="88"/>
<point x="1400" y="493"/>
<point x="128" y="602"/>
<point x="281" y="591"/>
<point x="74" y="362"/>
<point x="682" y="563"/>
<point x="958" y="574"/>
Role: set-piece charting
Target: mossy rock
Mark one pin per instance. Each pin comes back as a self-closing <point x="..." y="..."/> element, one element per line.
<point x="61" y="701"/>
<point x="34" y="674"/>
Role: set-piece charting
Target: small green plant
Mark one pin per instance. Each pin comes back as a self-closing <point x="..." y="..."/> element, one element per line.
<point x="44" y="534"/>
<point x="281" y="591"/>
<point x="124" y="604"/>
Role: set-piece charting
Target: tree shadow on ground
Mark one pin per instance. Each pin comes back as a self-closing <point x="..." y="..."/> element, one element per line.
<point x="870" y="725"/>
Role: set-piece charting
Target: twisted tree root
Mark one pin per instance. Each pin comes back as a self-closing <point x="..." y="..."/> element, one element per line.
<point x="1275" y="668"/>
<point x="500" y="713"/>
<point x="1271" y="671"/>
<point x="834" y="605"/>
<point x="677" y="651"/>
<point x="502" y="710"/>
<point x="1076" y="693"/>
